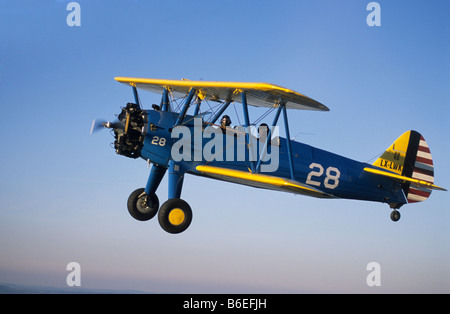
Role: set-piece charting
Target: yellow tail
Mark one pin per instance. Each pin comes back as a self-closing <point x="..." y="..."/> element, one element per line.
<point x="410" y="156"/>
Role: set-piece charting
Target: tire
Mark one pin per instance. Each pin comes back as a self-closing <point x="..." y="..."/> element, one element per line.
<point x="175" y="215"/>
<point x="395" y="215"/>
<point x="141" y="206"/>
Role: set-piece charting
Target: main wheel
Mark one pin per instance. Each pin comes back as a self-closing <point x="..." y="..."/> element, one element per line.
<point x="175" y="215"/>
<point x="395" y="215"/>
<point x="142" y="206"/>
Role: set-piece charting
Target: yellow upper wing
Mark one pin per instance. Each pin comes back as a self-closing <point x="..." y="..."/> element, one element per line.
<point x="258" y="94"/>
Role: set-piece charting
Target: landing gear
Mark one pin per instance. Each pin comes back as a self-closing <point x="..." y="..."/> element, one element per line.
<point x="395" y="215"/>
<point x="141" y="206"/>
<point x="175" y="215"/>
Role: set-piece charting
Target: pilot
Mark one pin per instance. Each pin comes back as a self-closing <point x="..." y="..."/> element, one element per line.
<point x="225" y="122"/>
<point x="263" y="132"/>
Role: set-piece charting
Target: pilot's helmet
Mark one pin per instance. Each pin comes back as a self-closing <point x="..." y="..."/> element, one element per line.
<point x="225" y="121"/>
<point x="263" y="129"/>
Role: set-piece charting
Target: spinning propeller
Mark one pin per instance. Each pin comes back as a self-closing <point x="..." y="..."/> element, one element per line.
<point x="98" y="124"/>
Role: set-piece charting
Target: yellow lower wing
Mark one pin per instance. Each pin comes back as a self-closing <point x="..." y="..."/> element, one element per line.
<point x="261" y="181"/>
<point x="419" y="183"/>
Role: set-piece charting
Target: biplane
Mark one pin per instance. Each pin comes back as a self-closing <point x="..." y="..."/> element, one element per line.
<point x="182" y="135"/>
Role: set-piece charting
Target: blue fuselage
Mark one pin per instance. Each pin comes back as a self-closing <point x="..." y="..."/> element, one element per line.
<point x="333" y="174"/>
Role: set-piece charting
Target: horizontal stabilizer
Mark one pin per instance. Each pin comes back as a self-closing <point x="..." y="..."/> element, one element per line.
<point x="414" y="182"/>
<point x="261" y="181"/>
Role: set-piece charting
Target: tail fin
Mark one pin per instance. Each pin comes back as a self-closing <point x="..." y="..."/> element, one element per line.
<point x="410" y="156"/>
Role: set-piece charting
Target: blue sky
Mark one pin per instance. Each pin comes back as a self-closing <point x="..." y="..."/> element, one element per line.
<point x="63" y="193"/>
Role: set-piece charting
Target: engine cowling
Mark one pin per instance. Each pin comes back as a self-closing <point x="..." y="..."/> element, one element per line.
<point x="129" y="138"/>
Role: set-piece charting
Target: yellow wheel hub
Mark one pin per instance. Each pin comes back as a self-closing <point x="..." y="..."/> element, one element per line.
<point x="176" y="216"/>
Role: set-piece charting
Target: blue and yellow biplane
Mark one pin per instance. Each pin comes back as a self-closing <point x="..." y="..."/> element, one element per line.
<point x="172" y="140"/>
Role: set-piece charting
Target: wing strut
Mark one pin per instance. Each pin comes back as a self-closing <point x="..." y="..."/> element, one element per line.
<point x="187" y="103"/>
<point x="269" y="138"/>
<point x="247" y="126"/>
<point x="136" y="97"/>
<point x="281" y="106"/>
<point x="197" y="107"/>
<point x="165" y="100"/>
<point x="219" y="113"/>
<point x="288" y="141"/>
